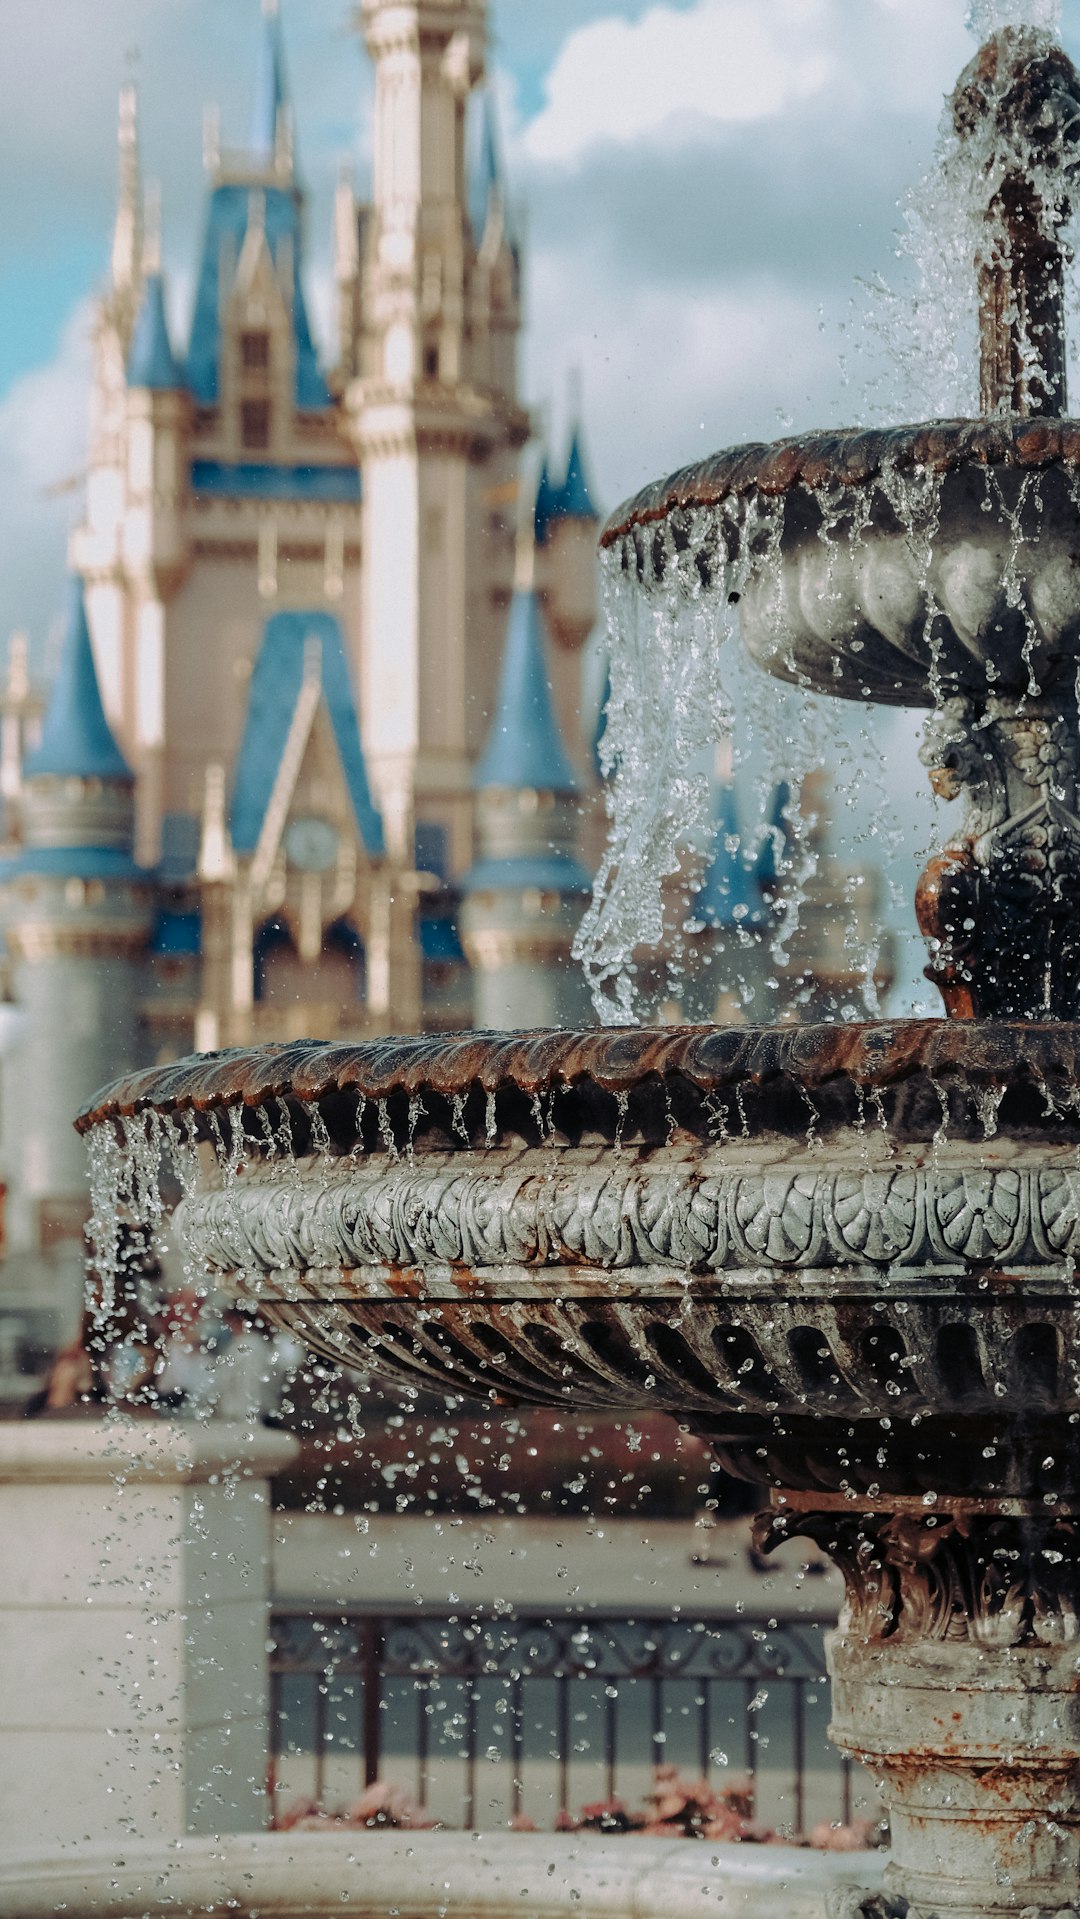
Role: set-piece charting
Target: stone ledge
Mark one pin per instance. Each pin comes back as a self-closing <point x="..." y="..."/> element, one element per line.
<point x="59" y="1451"/>
<point x="431" y="1876"/>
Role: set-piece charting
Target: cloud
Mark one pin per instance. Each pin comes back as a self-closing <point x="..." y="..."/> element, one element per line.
<point x="42" y="450"/>
<point x="676" y="74"/>
<point x="728" y="60"/>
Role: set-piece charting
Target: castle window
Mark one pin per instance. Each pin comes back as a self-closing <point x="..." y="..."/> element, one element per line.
<point x="255" y="351"/>
<point x="255" y="425"/>
<point x="431" y="362"/>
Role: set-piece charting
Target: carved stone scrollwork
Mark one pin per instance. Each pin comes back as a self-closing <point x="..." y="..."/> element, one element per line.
<point x="1000" y="905"/>
<point x="989" y="1580"/>
<point x="492" y="1212"/>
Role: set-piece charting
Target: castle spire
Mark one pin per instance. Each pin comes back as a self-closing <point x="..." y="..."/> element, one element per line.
<point x="574" y="498"/>
<point x="151" y="362"/>
<point x="127" y="243"/>
<point x="525" y="748"/>
<point x="76" y="742"/>
<point x="271" y="133"/>
<point x="487" y="190"/>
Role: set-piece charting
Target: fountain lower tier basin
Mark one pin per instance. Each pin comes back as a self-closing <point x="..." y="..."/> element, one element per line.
<point x="846" y="1255"/>
<point x="905" y="566"/>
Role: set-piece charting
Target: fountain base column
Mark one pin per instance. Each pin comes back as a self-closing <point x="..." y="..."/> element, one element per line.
<point x="956" y="1681"/>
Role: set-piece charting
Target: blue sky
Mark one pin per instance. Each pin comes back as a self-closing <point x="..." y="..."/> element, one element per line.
<point x="703" y="184"/>
<point x="703" y="181"/>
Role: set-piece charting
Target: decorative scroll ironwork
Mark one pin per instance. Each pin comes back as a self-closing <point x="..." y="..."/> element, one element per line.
<point x="331" y="1664"/>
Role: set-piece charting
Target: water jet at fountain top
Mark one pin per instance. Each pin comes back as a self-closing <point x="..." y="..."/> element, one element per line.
<point x="933" y="565"/>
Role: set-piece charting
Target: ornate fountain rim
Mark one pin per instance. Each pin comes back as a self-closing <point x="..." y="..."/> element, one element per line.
<point x="874" y="1054"/>
<point x="852" y="458"/>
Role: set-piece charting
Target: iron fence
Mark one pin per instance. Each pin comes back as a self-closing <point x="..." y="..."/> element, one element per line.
<point x="485" y="1717"/>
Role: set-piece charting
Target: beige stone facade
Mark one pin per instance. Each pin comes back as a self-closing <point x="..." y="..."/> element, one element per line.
<point x="240" y="481"/>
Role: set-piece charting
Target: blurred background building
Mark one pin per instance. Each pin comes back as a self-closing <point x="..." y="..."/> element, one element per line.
<point x="317" y="757"/>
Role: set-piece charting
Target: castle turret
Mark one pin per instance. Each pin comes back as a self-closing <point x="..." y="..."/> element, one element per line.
<point x="569" y="574"/>
<point x="526" y="891"/>
<point x="495" y="282"/>
<point x="75" y="911"/>
<point x="567" y="524"/>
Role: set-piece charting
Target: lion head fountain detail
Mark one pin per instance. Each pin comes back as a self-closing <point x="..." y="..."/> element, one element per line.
<point x="846" y="1255"/>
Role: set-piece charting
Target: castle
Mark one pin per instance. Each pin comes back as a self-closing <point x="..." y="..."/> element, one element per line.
<point x="314" y="759"/>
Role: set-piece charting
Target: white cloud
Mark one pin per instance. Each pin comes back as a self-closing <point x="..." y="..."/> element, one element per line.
<point x="42" y="450"/>
<point x="727" y="60"/>
<point x="673" y="73"/>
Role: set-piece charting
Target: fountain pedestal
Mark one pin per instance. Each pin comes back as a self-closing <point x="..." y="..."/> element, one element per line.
<point x="955" y="1680"/>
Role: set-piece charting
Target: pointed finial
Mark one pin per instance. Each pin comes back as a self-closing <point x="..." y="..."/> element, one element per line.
<point x="127" y="229"/>
<point x="216" y="858"/>
<point x="346" y="228"/>
<point x="18" y="668"/>
<point x="271" y="136"/>
<point x="151" y="253"/>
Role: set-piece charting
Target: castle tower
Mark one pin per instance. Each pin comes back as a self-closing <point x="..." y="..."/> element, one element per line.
<point x="229" y="491"/>
<point x="295" y="890"/>
<point x="75" y="911"/>
<point x="525" y="894"/>
<point x="436" y="422"/>
<point x="567" y="525"/>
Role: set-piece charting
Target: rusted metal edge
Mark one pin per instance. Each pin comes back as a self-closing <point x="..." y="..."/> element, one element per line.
<point x="871" y="1054"/>
<point x="850" y="458"/>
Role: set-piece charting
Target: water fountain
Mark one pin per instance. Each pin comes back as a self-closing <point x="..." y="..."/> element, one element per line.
<point x="845" y="1255"/>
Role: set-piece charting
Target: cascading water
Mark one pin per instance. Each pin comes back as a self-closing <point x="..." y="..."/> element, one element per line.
<point x="832" y="555"/>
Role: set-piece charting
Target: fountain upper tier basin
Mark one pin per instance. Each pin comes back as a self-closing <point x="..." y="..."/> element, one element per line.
<point x="902" y="567"/>
<point x="790" y="1238"/>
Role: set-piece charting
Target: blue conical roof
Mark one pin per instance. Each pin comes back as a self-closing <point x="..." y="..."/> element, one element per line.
<point x="151" y="362"/>
<point x="274" y="690"/>
<point x="270" y="95"/>
<point x="525" y="748"/>
<point x="547" y="504"/>
<point x="485" y="172"/>
<point x="726" y="895"/>
<point x="76" y="742"/>
<point x="574" y="501"/>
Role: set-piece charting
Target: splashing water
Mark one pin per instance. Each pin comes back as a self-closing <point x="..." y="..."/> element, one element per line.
<point x="985" y="17"/>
